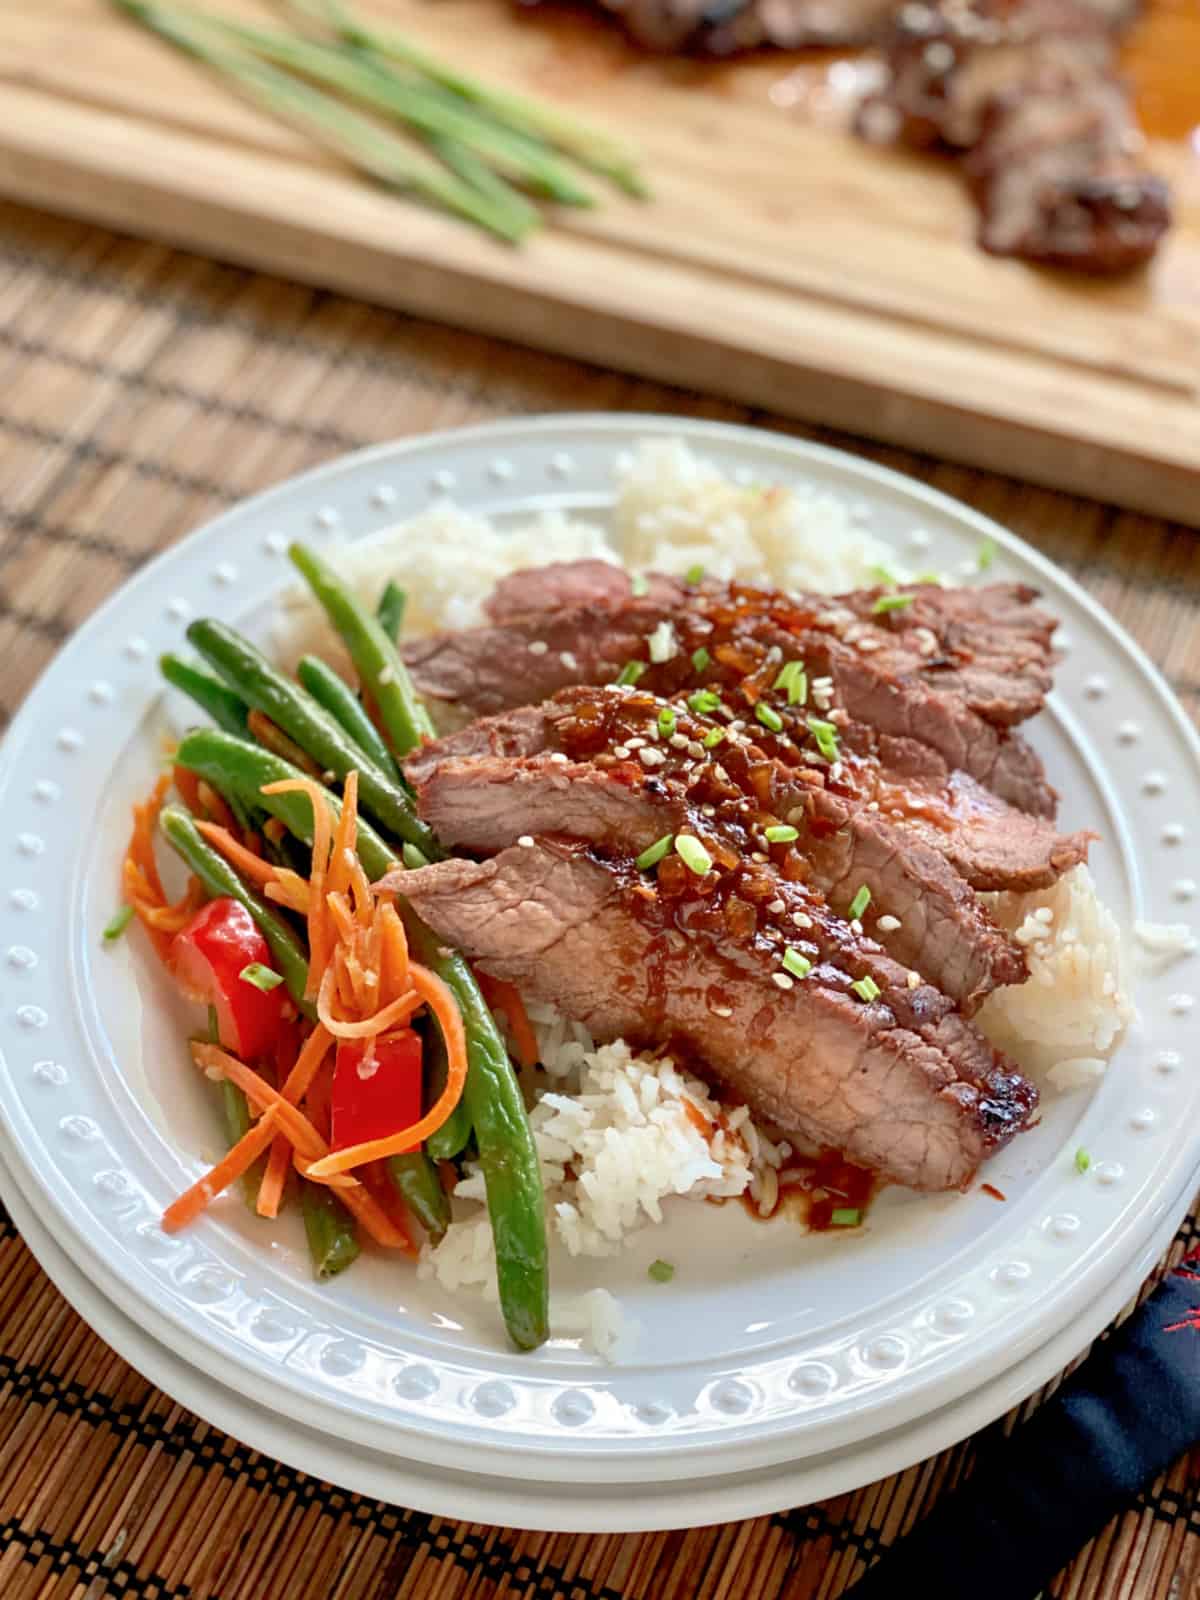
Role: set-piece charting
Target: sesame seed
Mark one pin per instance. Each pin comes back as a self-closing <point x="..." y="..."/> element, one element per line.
<point x="914" y="980"/>
<point x="866" y="646"/>
<point x="526" y="841"/>
<point x="722" y="1011"/>
<point x="782" y="980"/>
<point x="558" y="758"/>
<point x="708" y="811"/>
<point x="774" y="654"/>
<point x="872" y="805"/>
<point x="538" y="647"/>
<point x="651" y="758"/>
<point x="695" y="749"/>
<point x="328" y="776"/>
<point x="835" y="771"/>
<point x="855" y="925"/>
<point x="888" y="924"/>
<point x="757" y="855"/>
<point x="568" y="660"/>
<point x="797" y="815"/>
<point x="621" y="751"/>
<point x="635" y="743"/>
<point x="679" y="741"/>
<point x="802" y="919"/>
<point x="777" y="907"/>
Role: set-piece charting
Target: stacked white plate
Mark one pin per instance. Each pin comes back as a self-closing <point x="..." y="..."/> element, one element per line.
<point x="775" y="1368"/>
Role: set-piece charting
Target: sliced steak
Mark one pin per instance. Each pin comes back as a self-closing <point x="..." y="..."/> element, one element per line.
<point x="1030" y="88"/>
<point x="932" y="921"/>
<point x="882" y="672"/>
<point x="565" y="585"/>
<point x="988" y="842"/>
<point x="899" y="1083"/>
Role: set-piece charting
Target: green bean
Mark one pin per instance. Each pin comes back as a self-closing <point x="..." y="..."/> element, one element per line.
<point x="228" y="710"/>
<point x="312" y="728"/>
<point x="494" y="1106"/>
<point x="452" y="1138"/>
<point x="219" y="878"/>
<point x="507" y="1154"/>
<point x="390" y="610"/>
<point x="330" y="1233"/>
<point x="235" y="764"/>
<point x="375" y="657"/>
<point x="416" y="1177"/>
<point x="341" y="702"/>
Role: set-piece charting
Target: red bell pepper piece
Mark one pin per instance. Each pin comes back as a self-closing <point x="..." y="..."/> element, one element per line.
<point x="377" y="1099"/>
<point x="209" y="956"/>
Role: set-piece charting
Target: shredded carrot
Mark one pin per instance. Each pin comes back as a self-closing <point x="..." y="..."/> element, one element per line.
<point x="341" y="915"/>
<point x="140" y="880"/>
<point x="272" y="737"/>
<point x="382" y="1192"/>
<point x="440" y="1000"/>
<point x="216" y="807"/>
<point x="345" y="838"/>
<point x="248" y="864"/>
<point x="392" y="960"/>
<point x="308" y="1063"/>
<point x="383" y="1228"/>
<point x="319" y="944"/>
<point x="391" y="1016"/>
<point x="506" y="998"/>
<point x="188" y="785"/>
<point x="270" y="1190"/>
<point x="261" y="1096"/>
<point x="228" y="1170"/>
<point x="364" y="895"/>
<point x="289" y="889"/>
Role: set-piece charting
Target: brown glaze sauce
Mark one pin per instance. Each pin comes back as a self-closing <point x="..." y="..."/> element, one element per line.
<point x="812" y="1189"/>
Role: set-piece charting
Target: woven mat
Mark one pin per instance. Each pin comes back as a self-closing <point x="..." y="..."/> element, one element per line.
<point x="143" y="391"/>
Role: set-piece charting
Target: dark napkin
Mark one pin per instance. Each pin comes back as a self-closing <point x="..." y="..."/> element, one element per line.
<point x="1037" y="1497"/>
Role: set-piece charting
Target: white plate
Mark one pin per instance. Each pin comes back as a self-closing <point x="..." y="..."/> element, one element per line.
<point x="766" y="1346"/>
<point x="561" y="1505"/>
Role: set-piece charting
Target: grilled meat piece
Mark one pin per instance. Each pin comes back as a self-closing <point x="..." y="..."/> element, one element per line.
<point x="898" y="1082"/>
<point x="1056" y="182"/>
<point x="954" y="680"/>
<point x="1029" y="88"/>
<point x="931" y="918"/>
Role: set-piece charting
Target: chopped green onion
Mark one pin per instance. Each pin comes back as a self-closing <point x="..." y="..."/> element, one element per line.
<point x="882" y="574"/>
<point x="666" y="722"/>
<point x="261" y="977"/>
<point x="640" y="585"/>
<point x="630" y="672"/>
<point x="1082" y="1160"/>
<point x="826" y="736"/>
<point x="987" y="554"/>
<point x="866" y="989"/>
<point x="704" y="702"/>
<point x="214" y="1026"/>
<point x="768" y="717"/>
<point x="713" y="738"/>
<point x="860" y="903"/>
<point x="651" y="856"/>
<point x="660" y="1271"/>
<point x="413" y="858"/>
<point x="781" y="833"/>
<point x="701" y="659"/>
<point x="794" y="679"/>
<point x="695" y="573"/>
<point x="892" y="602"/>
<point x="928" y="577"/>
<point x="117" y="926"/>
<point x="693" y="854"/>
<point x="846" y="1217"/>
<point x="799" y="966"/>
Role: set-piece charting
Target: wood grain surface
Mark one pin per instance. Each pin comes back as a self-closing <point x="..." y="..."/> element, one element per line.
<point x="781" y="262"/>
<point x="141" y="392"/>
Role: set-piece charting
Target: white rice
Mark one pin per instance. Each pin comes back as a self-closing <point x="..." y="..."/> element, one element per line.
<point x="615" y="1141"/>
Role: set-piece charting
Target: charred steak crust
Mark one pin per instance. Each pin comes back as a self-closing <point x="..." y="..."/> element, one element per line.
<point x="899" y="1083"/>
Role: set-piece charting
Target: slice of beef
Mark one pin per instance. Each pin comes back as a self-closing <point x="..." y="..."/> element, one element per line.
<point x="728" y="27"/>
<point x="882" y="674"/>
<point x="1057" y="179"/>
<point x="989" y="843"/>
<point x="899" y="1084"/>
<point x="483" y="802"/>
<point x="1030" y="88"/>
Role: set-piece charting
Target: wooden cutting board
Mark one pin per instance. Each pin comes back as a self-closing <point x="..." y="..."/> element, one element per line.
<point x="780" y="262"/>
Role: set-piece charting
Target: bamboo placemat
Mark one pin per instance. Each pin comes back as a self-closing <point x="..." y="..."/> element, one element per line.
<point x="141" y="391"/>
